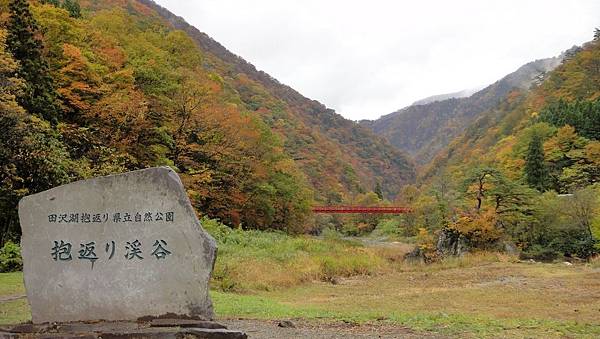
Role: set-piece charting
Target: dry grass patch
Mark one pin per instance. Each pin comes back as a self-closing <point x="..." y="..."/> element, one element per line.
<point x="497" y="290"/>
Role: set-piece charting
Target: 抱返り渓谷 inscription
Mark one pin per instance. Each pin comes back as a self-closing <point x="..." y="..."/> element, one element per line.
<point x="115" y="248"/>
<point x="61" y="249"/>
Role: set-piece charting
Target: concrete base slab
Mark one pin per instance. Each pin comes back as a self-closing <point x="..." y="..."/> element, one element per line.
<point x="156" y="328"/>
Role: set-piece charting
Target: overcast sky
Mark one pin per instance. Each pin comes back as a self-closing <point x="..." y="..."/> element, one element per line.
<point x="369" y="58"/>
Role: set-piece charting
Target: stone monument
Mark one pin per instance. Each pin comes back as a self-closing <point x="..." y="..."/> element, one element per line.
<point x="123" y="247"/>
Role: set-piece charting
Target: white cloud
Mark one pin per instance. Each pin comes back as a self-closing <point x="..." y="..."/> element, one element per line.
<point x="369" y="58"/>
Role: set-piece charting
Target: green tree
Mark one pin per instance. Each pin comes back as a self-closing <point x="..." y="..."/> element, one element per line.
<point x="561" y="225"/>
<point x="379" y="190"/>
<point x="583" y="115"/>
<point x="488" y="184"/>
<point x="10" y="89"/>
<point x="72" y="6"/>
<point x="32" y="158"/>
<point x="478" y="183"/>
<point x="582" y="207"/>
<point x="535" y="168"/>
<point x="55" y="3"/>
<point x="39" y="95"/>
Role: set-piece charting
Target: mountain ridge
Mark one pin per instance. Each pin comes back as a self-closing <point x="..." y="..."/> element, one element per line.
<point x="424" y="130"/>
<point x="312" y="113"/>
<point x="440" y="97"/>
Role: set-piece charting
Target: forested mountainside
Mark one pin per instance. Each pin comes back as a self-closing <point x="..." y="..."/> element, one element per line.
<point x="98" y="87"/>
<point x="563" y="112"/>
<point x="423" y="130"/>
<point x="524" y="176"/>
<point x="355" y="155"/>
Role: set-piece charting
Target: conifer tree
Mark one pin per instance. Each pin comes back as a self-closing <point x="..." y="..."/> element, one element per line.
<point x="55" y="3"/>
<point x="535" y="168"/>
<point x="39" y="96"/>
<point x="72" y="6"/>
<point x="379" y="190"/>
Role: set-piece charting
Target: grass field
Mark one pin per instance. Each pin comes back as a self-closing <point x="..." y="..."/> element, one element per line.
<point x="327" y="280"/>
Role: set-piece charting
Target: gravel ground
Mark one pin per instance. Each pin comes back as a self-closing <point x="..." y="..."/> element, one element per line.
<point x="270" y="329"/>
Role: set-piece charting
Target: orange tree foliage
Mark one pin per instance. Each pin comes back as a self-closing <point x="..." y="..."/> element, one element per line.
<point x="252" y="151"/>
<point x="136" y="94"/>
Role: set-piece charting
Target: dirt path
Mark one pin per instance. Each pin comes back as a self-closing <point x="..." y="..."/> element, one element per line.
<point x="4" y="299"/>
<point x="270" y="329"/>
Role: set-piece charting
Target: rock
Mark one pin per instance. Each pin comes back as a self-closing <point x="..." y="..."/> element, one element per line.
<point x="451" y="243"/>
<point x="286" y="324"/>
<point x="510" y="248"/>
<point x="119" y="247"/>
<point x="416" y="255"/>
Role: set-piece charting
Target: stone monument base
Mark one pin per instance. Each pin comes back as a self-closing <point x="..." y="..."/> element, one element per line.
<point x="154" y="328"/>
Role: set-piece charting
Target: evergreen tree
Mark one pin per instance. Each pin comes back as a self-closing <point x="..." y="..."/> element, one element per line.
<point x="379" y="190"/>
<point x="72" y="6"/>
<point x="39" y="96"/>
<point x="535" y="168"/>
<point x="55" y="3"/>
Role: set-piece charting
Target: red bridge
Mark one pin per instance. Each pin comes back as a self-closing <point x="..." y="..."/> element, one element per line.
<point x="361" y="209"/>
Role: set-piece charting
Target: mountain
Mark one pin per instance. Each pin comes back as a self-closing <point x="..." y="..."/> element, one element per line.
<point x="125" y="84"/>
<point x="523" y="170"/>
<point x="440" y="97"/>
<point x="563" y="110"/>
<point x="356" y="156"/>
<point x="423" y="130"/>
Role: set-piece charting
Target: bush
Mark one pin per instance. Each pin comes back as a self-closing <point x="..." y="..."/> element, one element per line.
<point x="565" y="243"/>
<point x="574" y="243"/>
<point x="331" y="234"/>
<point x="10" y="257"/>
<point x="561" y="226"/>
<point x="388" y="227"/>
<point x="540" y="253"/>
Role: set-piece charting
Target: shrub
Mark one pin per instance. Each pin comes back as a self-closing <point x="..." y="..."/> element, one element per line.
<point x="389" y="227"/>
<point x="574" y="243"/>
<point x="10" y="257"/>
<point x="540" y="253"/>
<point x="479" y="228"/>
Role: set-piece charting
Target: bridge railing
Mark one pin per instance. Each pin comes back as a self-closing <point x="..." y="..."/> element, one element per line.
<point x="361" y="209"/>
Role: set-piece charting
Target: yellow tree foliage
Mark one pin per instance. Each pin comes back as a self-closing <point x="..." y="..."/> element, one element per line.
<point x="480" y="228"/>
<point x="11" y="86"/>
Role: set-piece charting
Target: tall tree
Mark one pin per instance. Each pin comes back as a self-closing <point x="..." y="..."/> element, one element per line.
<point x="535" y="167"/>
<point x="32" y="157"/>
<point x="11" y="86"/>
<point x="379" y="190"/>
<point x="26" y="47"/>
<point x="73" y="7"/>
<point x="478" y="182"/>
<point x="55" y="3"/>
<point x="581" y="207"/>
